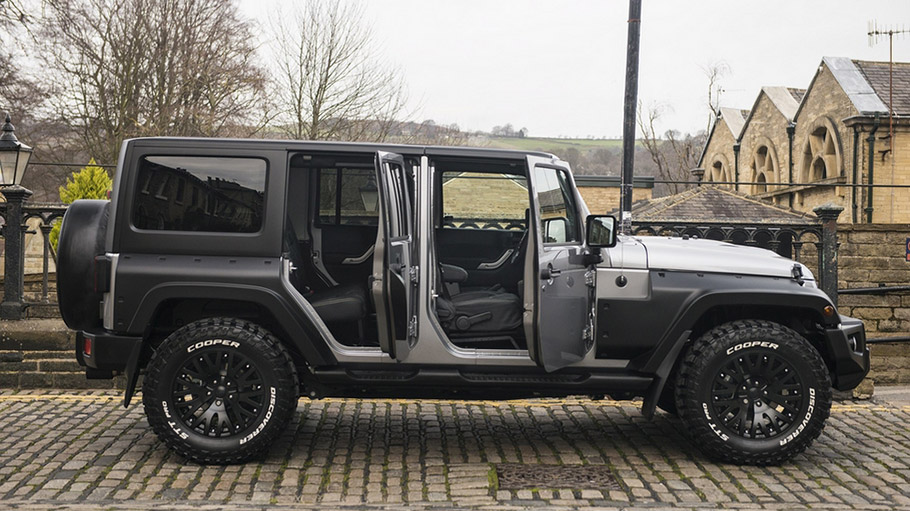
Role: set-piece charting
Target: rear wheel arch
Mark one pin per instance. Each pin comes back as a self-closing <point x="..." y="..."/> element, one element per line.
<point x="174" y="313"/>
<point x="301" y="338"/>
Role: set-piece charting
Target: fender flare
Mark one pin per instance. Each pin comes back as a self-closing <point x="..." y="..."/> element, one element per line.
<point x="663" y="357"/>
<point x="299" y="331"/>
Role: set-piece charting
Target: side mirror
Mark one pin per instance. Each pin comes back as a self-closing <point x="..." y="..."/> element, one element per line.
<point x="601" y="231"/>
<point x="554" y="230"/>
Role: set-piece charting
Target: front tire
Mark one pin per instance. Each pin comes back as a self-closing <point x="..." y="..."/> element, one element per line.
<point x="220" y="390"/>
<point x="753" y="392"/>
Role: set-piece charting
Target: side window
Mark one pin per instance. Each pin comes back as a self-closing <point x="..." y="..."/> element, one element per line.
<point x="227" y="194"/>
<point x="348" y="196"/>
<point x="401" y="224"/>
<point x="558" y="215"/>
<point x="479" y="200"/>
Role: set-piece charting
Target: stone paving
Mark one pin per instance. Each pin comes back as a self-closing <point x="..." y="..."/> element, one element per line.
<point x="81" y="450"/>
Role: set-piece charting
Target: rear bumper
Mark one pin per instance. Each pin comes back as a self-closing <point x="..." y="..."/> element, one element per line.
<point x="109" y="353"/>
<point x="850" y="355"/>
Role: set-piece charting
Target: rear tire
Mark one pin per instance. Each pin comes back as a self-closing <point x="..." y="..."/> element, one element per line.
<point x="82" y="237"/>
<point x="220" y="390"/>
<point x="753" y="392"/>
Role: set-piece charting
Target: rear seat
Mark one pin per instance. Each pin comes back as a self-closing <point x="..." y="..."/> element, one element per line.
<point x="346" y="303"/>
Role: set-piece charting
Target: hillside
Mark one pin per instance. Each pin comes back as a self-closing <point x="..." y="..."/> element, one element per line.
<point x="553" y="145"/>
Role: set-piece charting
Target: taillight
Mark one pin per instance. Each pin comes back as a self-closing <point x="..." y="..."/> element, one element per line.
<point x="87" y="347"/>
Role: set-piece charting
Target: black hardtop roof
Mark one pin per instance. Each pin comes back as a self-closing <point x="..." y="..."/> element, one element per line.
<point x="307" y="145"/>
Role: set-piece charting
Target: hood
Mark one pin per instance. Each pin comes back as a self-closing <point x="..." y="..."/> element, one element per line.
<point x="716" y="257"/>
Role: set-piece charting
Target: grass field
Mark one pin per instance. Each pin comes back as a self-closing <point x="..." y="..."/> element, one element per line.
<point x="550" y="144"/>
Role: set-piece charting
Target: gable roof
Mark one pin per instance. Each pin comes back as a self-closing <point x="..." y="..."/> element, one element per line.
<point x="735" y="120"/>
<point x="877" y="75"/>
<point x="783" y="99"/>
<point x="854" y="85"/>
<point x="709" y="203"/>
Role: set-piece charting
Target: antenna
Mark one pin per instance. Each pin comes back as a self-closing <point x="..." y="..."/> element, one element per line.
<point x="877" y="33"/>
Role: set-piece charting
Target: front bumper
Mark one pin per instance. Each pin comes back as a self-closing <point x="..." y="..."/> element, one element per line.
<point x="109" y="353"/>
<point x="850" y="356"/>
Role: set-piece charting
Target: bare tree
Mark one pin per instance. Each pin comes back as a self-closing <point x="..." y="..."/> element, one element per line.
<point x="330" y="83"/>
<point x="714" y="72"/>
<point x="674" y="154"/>
<point x="126" y="68"/>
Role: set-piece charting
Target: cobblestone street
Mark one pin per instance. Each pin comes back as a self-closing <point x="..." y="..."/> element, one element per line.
<point x="83" y="450"/>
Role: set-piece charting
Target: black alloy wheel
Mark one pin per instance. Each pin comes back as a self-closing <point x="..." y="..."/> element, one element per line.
<point x="219" y="393"/>
<point x="757" y="394"/>
<point x="220" y="390"/>
<point x="753" y="392"/>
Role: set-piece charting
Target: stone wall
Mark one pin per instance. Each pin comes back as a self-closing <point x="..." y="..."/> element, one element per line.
<point x="871" y="255"/>
<point x="604" y="199"/>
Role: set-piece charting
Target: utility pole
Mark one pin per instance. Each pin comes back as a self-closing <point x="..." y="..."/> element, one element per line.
<point x="628" y="120"/>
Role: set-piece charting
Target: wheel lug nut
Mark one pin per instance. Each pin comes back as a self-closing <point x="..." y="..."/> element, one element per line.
<point x="745" y="401"/>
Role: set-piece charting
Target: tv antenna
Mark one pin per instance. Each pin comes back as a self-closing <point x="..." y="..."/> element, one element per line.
<point x="877" y="33"/>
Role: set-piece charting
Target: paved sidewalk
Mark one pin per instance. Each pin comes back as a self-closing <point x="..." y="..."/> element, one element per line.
<point x="84" y="451"/>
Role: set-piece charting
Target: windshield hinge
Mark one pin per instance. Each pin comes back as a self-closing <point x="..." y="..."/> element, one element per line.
<point x="412" y="328"/>
<point x="797" y="273"/>
<point x="591" y="278"/>
<point x="414" y="274"/>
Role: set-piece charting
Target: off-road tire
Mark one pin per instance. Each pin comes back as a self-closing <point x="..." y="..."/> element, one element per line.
<point x="743" y="360"/>
<point x="230" y="369"/>
<point x="82" y="237"/>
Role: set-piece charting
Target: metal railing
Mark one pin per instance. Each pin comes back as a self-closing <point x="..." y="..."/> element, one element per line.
<point x="15" y="300"/>
<point x="788" y="240"/>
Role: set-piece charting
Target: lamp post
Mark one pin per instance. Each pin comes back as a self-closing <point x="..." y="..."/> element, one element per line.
<point x="14" y="156"/>
<point x="369" y="194"/>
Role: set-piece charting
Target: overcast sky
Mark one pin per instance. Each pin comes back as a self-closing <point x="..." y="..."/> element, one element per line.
<point x="557" y="67"/>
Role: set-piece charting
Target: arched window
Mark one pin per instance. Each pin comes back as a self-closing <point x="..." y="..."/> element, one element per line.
<point x="821" y="154"/>
<point x="764" y="168"/>
<point x="719" y="171"/>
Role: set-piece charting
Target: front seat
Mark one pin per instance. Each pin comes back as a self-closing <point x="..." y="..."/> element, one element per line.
<point x="481" y="311"/>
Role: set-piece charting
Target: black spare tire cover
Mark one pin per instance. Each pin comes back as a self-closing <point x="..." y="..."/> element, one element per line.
<point x="81" y="239"/>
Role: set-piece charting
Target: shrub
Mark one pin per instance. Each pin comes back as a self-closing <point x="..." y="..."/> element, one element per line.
<point x="91" y="182"/>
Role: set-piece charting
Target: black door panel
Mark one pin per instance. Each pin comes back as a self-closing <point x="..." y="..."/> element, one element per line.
<point x="340" y="242"/>
<point x="469" y="248"/>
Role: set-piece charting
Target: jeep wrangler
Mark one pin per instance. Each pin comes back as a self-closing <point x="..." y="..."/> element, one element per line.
<point x="238" y="275"/>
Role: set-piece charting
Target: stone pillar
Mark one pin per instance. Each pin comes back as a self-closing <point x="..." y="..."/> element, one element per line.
<point x="699" y="174"/>
<point x="827" y="257"/>
<point x="12" y="306"/>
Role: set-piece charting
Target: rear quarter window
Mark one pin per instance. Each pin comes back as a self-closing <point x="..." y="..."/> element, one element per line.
<point x="200" y="193"/>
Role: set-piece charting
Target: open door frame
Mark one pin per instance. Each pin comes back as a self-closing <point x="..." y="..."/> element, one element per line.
<point x="390" y="281"/>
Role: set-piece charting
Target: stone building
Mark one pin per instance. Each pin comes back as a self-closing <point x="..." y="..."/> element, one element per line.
<point x="796" y="147"/>
<point x="719" y="156"/>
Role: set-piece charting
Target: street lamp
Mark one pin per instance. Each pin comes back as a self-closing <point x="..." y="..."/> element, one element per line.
<point x="369" y="194"/>
<point x="14" y="155"/>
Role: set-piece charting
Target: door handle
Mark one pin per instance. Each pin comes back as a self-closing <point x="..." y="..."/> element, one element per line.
<point x="497" y="263"/>
<point x="549" y="272"/>
<point x="359" y="259"/>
